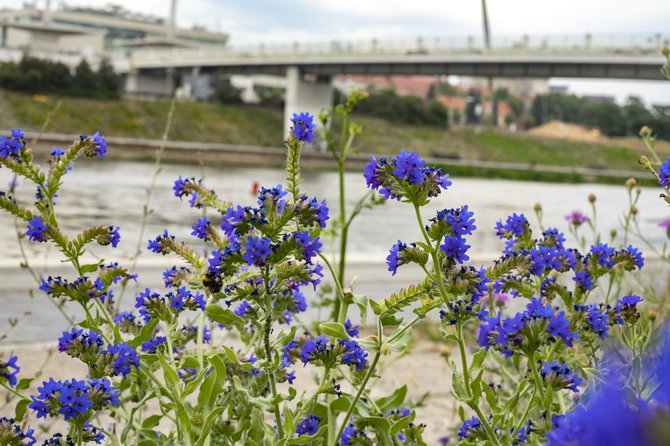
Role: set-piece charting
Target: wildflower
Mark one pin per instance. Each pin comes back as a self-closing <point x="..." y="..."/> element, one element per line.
<point x="156" y="245"/>
<point x="152" y="344"/>
<point x="515" y="226"/>
<point x="583" y="280"/>
<point x="242" y="309"/>
<point x="405" y="174"/>
<point x="6" y="373"/>
<point x="184" y="299"/>
<point x="472" y="429"/>
<point x="10" y="146"/>
<point x="352" y="330"/>
<point x="394" y="259"/>
<point x="303" y="127"/>
<point x="173" y="277"/>
<point x="576" y="218"/>
<point x="11" y="433"/>
<point x="664" y="174"/>
<point x="257" y="249"/>
<point x="559" y="376"/>
<point x="455" y="248"/>
<point x="36" y="230"/>
<point x="200" y="228"/>
<point x="308" y="426"/>
<point x="355" y="354"/>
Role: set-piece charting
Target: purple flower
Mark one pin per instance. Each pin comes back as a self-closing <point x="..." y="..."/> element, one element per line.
<point x="665" y="224"/>
<point x="5" y="372"/>
<point x="200" y="228"/>
<point x="559" y="376"/>
<point x="583" y="280"/>
<point x="664" y="174"/>
<point x="514" y="227"/>
<point x="10" y="146"/>
<point x="394" y="259"/>
<point x="559" y="326"/>
<point x="36" y="230"/>
<point x="455" y="248"/>
<point x="577" y="218"/>
<point x="303" y="127"/>
<point x="257" y="249"/>
<point x="308" y="426"/>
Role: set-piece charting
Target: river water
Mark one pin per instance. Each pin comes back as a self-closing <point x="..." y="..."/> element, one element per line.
<point x="114" y="193"/>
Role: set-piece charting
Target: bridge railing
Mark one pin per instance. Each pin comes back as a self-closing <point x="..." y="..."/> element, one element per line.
<point x="615" y="43"/>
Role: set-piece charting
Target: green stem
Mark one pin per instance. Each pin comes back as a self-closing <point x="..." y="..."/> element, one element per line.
<point x="524" y="417"/>
<point x="15" y="392"/>
<point x="433" y="254"/>
<point x="487" y="426"/>
<point x="361" y="388"/>
<point x="538" y="384"/>
<point x="464" y="360"/>
<point x="268" y="353"/>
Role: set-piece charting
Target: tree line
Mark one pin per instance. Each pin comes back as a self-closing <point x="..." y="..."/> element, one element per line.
<point x="39" y="76"/>
<point x="611" y="118"/>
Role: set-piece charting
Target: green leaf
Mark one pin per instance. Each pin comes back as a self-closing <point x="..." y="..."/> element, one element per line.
<point x="478" y="359"/>
<point x="23" y="384"/>
<point x="20" y="409"/>
<point x="362" y="303"/>
<point x="334" y="329"/>
<point x="391" y="320"/>
<point x="340" y="404"/>
<point x="376" y="309"/>
<point x="170" y="375"/>
<point x="90" y="268"/>
<point x="402" y="342"/>
<point x="145" y="333"/>
<point x="392" y="401"/>
<point x="206" y="428"/>
<point x="223" y="315"/>
<point x="459" y="387"/>
<point x="152" y="421"/>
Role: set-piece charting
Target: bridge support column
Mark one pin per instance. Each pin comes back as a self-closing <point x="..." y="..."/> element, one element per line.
<point x="302" y="95"/>
<point x="132" y="81"/>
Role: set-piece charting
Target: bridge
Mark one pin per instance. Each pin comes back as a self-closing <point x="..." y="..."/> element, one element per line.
<point x="309" y="67"/>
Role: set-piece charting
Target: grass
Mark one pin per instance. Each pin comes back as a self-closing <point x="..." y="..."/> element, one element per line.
<point x="253" y="125"/>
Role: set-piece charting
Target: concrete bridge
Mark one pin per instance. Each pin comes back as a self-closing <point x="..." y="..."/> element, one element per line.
<point x="309" y="67"/>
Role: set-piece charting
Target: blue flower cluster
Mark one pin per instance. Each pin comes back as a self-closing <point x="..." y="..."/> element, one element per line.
<point x="10" y="146"/>
<point x="321" y="350"/>
<point x="308" y="426"/>
<point x="11" y="433"/>
<point x="114" y="360"/>
<point x="559" y="376"/>
<point x="73" y="398"/>
<point x="152" y="304"/>
<point x="303" y="127"/>
<point x="526" y="331"/>
<point x="405" y="176"/>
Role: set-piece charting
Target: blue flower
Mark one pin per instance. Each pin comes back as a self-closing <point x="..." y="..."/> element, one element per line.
<point x="125" y="358"/>
<point x="355" y="354"/>
<point x="515" y="226"/>
<point x="455" y="248"/>
<point x="604" y="254"/>
<point x="5" y="372"/>
<point x="257" y="249"/>
<point x="152" y="344"/>
<point x="10" y="146"/>
<point x="559" y="376"/>
<point x="100" y="144"/>
<point x="313" y="347"/>
<point x="559" y="326"/>
<point x="36" y="230"/>
<point x="394" y="259"/>
<point x="664" y="174"/>
<point x="242" y="309"/>
<point x="200" y="228"/>
<point x="308" y="426"/>
<point x="583" y="280"/>
<point x="303" y="127"/>
<point x="408" y="166"/>
<point x="544" y="259"/>
<point x="472" y="428"/>
<point x="13" y="434"/>
<point x="156" y="245"/>
<point x="352" y="330"/>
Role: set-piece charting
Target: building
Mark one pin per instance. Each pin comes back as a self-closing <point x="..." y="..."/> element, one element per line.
<point x="121" y="29"/>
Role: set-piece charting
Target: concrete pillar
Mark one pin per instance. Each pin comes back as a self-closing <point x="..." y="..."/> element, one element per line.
<point x="305" y="96"/>
<point x="132" y="81"/>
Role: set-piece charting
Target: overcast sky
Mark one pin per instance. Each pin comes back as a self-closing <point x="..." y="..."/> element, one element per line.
<point x="251" y="21"/>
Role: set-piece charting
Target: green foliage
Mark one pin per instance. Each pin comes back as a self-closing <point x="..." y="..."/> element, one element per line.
<point x="227" y="93"/>
<point x="37" y="76"/>
<point x="404" y="109"/>
<point x="610" y="118"/>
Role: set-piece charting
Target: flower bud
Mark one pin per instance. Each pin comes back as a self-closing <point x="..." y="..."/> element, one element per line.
<point x="613" y="233"/>
<point x="645" y="131"/>
<point x="592" y="198"/>
<point x="665" y="51"/>
<point x="631" y="183"/>
<point x="537" y="207"/>
<point x="633" y="210"/>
